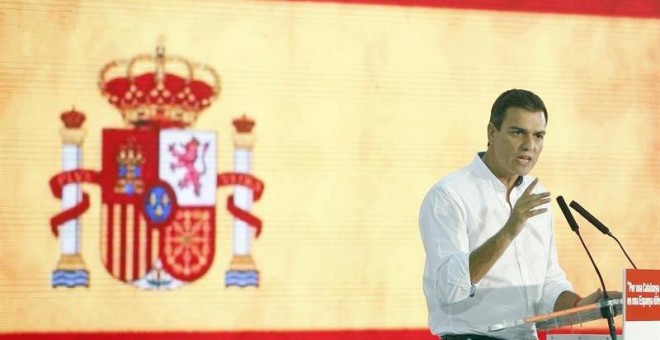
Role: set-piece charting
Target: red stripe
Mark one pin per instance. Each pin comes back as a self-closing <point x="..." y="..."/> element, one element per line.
<point x="148" y="254"/>
<point x="111" y="238"/>
<point x="136" y="243"/>
<point x="300" y="335"/>
<point x="610" y="8"/>
<point x="122" y="247"/>
<point x="394" y="334"/>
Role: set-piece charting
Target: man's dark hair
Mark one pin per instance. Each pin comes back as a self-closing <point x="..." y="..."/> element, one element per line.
<point x="516" y="98"/>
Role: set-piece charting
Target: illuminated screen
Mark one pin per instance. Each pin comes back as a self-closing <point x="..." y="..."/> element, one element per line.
<point x="296" y="142"/>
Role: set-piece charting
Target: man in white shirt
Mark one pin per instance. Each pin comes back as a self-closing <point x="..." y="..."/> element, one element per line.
<point x="487" y="232"/>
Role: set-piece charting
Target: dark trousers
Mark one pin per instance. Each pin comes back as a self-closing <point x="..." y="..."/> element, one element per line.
<point x="466" y="337"/>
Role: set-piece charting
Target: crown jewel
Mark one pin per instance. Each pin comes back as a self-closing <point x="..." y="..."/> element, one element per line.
<point x="159" y="90"/>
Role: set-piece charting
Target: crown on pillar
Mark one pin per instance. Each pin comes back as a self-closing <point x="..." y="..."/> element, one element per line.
<point x="72" y="119"/>
<point x="243" y="124"/>
<point x="159" y="90"/>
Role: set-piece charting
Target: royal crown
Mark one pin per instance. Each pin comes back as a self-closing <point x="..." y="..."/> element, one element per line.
<point x="72" y="119"/>
<point x="243" y="124"/>
<point x="146" y="94"/>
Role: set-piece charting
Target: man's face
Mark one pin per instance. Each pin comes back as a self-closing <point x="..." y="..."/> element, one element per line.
<point x="517" y="145"/>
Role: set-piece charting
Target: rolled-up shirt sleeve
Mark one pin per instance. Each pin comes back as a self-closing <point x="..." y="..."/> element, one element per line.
<point x="442" y="223"/>
<point x="555" y="281"/>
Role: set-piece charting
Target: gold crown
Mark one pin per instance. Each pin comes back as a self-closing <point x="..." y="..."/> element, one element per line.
<point x="146" y="94"/>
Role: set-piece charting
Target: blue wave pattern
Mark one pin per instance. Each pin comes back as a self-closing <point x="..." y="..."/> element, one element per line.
<point x="240" y="278"/>
<point x="70" y="278"/>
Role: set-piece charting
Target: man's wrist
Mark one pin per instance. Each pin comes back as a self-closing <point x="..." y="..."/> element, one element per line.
<point x="508" y="231"/>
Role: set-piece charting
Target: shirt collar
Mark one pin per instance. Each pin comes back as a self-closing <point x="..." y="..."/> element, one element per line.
<point x="483" y="172"/>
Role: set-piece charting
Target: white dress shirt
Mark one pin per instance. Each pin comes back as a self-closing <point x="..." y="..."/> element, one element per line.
<point x="458" y="215"/>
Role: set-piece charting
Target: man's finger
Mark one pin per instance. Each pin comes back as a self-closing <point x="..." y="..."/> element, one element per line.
<point x="537" y="212"/>
<point x="614" y="294"/>
<point x="541" y="195"/>
<point x="544" y="201"/>
<point x="530" y="187"/>
<point x="534" y="200"/>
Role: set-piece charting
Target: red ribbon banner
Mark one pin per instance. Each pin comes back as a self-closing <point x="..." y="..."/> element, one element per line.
<point x="249" y="181"/>
<point x="58" y="182"/>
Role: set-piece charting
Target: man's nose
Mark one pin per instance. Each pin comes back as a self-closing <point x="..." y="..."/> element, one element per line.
<point x="528" y="144"/>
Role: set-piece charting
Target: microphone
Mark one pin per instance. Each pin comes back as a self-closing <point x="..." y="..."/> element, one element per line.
<point x="600" y="226"/>
<point x="569" y="217"/>
<point x="606" y="312"/>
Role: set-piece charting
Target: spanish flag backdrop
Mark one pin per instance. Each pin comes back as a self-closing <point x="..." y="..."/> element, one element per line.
<point x="279" y="195"/>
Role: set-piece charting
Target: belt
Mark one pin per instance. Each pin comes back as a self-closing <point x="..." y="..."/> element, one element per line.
<point x="466" y="337"/>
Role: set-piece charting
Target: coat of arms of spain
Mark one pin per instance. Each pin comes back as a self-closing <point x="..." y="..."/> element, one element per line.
<point x="158" y="180"/>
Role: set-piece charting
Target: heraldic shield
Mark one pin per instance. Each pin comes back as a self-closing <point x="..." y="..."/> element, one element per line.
<point x="158" y="212"/>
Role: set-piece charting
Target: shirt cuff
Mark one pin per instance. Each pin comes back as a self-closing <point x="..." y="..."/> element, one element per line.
<point x="456" y="285"/>
<point x="473" y="290"/>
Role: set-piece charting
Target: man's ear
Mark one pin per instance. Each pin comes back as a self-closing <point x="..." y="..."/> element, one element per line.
<point x="490" y="131"/>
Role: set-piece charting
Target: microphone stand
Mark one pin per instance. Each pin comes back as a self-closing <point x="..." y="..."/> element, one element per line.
<point x="624" y="251"/>
<point x="607" y="312"/>
<point x="600" y="226"/>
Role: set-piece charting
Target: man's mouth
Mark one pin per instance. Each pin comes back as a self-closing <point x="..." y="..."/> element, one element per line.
<point x="525" y="159"/>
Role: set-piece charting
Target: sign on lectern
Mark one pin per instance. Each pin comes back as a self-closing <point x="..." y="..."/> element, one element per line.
<point x="641" y="294"/>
